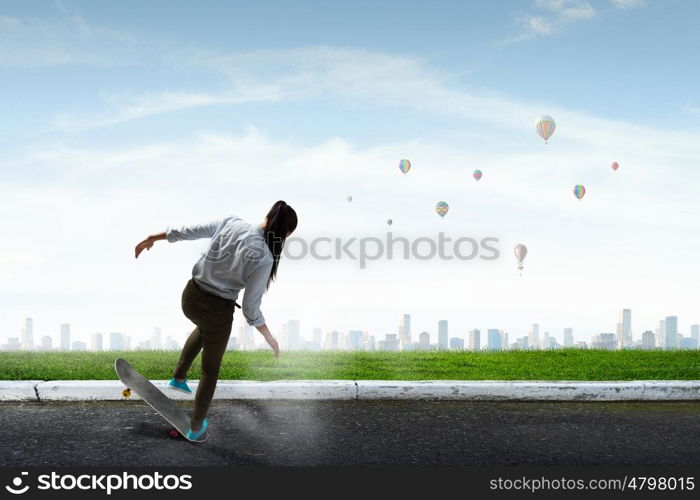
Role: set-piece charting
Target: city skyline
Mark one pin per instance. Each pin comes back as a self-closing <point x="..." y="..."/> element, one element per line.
<point x="291" y="337"/>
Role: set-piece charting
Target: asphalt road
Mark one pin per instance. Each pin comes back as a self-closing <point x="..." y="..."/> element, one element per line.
<point x="357" y="433"/>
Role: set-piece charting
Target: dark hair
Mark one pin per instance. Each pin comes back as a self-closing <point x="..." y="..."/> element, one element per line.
<point x="280" y="221"/>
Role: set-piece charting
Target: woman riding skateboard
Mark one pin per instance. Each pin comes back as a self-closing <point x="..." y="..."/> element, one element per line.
<point x="239" y="256"/>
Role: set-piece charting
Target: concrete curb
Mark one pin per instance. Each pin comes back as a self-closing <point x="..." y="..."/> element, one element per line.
<point x="108" y="390"/>
<point x="461" y="390"/>
<point x="21" y="390"/>
<point x="637" y="390"/>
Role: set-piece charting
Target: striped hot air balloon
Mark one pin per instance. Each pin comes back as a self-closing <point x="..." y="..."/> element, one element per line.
<point x="404" y="166"/>
<point x="579" y="191"/>
<point x="477" y="174"/>
<point x="442" y="208"/>
<point x="545" y="127"/>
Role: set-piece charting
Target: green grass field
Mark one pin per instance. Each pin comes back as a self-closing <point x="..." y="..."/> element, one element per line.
<point x="569" y="364"/>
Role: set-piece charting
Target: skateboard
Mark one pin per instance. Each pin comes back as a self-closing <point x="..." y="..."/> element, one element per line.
<point x="166" y="407"/>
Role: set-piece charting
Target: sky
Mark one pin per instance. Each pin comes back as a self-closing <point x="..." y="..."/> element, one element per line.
<point x="118" y="119"/>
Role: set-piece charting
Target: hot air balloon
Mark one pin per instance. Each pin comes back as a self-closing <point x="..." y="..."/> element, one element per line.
<point x="579" y="191"/>
<point x="442" y="208"/>
<point x="520" y="254"/>
<point x="404" y="166"/>
<point x="545" y="126"/>
<point x="389" y="222"/>
<point x="615" y="166"/>
<point x="477" y="174"/>
<point x="349" y="199"/>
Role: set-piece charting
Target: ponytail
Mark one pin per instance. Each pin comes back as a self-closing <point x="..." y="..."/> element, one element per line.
<point x="281" y="220"/>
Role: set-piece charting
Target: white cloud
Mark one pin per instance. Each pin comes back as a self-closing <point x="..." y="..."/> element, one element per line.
<point x="568" y="9"/>
<point x="369" y="77"/>
<point x="128" y="108"/>
<point x="556" y="15"/>
<point x="34" y="42"/>
<point x="628" y="4"/>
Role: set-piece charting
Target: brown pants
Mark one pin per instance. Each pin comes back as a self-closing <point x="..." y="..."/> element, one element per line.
<point x="213" y="316"/>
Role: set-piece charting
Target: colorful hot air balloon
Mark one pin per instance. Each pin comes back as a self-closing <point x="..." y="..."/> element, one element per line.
<point x="545" y="126"/>
<point x="349" y="199"/>
<point x="404" y="166"/>
<point x="520" y="254"/>
<point x="442" y="208"/>
<point x="579" y="191"/>
<point x="389" y="222"/>
<point x="615" y="166"/>
<point x="477" y="174"/>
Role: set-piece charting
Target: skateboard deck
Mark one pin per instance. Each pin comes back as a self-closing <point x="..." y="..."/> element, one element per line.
<point x="155" y="398"/>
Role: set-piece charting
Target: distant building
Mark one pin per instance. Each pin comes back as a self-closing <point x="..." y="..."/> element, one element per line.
<point x="371" y="343"/>
<point x="661" y="334"/>
<point x="521" y="343"/>
<point x="568" y="337"/>
<point x="535" y="336"/>
<point x="28" y="335"/>
<point x="232" y="344"/>
<point x="65" y="337"/>
<point x="475" y="340"/>
<point x="46" y="343"/>
<point x="171" y="344"/>
<point x="13" y="344"/>
<point x="156" y="339"/>
<point x="330" y="343"/>
<point x="671" y="332"/>
<point x="494" y="339"/>
<point x="442" y="334"/>
<point x="96" y="342"/>
<point x="405" y="330"/>
<point x="390" y="343"/>
<point x="355" y="340"/>
<point x="246" y="337"/>
<point x="79" y="346"/>
<point x="695" y="333"/>
<point x="607" y="341"/>
<point x="117" y="342"/>
<point x="624" y="328"/>
<point x="687" y="343"/>
<point x="550" y="343"/>
<point x="424" y="341"/>
<point x="648" y="340"/>
<point x="457" y="344"/>
<point x="144" y="345"/>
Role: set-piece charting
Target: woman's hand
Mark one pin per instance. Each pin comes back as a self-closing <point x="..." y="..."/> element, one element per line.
<point x="265" y="332"/>
<point x="148" y="243"/>
<point x="274" y="345"/>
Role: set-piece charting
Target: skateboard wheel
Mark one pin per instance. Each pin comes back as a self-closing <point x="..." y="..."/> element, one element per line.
<point x="174" y="433"/>
<point x="126" y="393"/>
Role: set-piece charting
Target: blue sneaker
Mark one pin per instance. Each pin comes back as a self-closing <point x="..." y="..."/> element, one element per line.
<point x="180" y="386"/>
<point x="195" y="435"/>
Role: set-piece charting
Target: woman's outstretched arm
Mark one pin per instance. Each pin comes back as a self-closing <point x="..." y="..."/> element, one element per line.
<point x="265" y="331"/>
<point x="148" y="243"/>
<point x="173" y="234"/>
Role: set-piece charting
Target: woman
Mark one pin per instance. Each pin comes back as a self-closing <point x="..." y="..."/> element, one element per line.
<point x="239" y="256"/>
